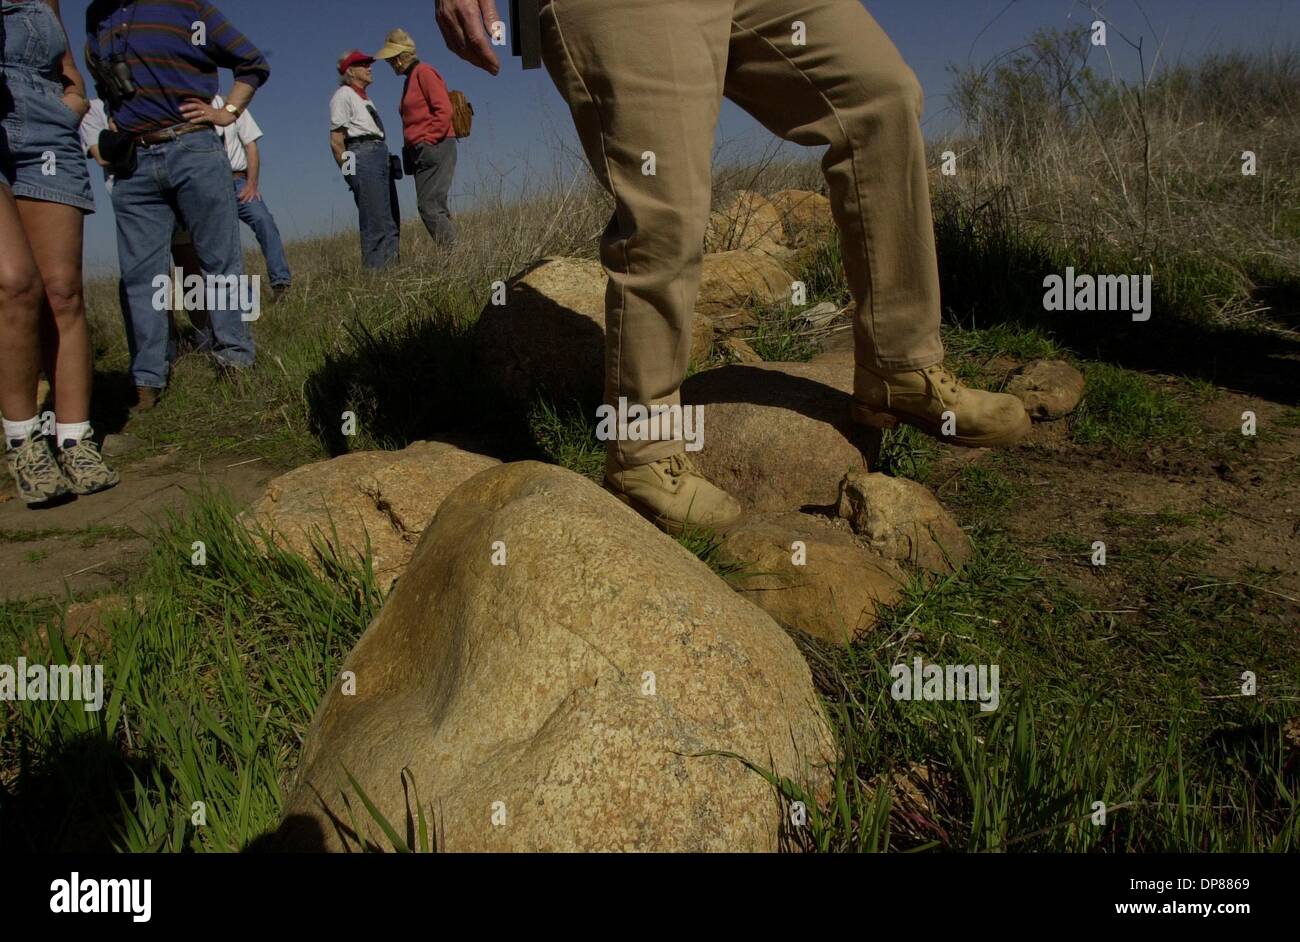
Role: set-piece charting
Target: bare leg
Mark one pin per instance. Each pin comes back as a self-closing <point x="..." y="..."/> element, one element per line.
<point x="21" y="297"/>
<point x="54" y="232"/>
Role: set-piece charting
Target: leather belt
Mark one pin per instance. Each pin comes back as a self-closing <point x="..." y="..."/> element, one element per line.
<point x="349" y="141"/>
<point x="150" y="138"/>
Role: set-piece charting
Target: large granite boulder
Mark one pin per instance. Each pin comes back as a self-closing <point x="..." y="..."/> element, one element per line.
<point x="554" y="674"/>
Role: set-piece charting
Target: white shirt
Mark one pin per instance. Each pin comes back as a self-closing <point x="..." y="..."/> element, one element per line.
<point x="351" y="114"/>
<point x="95" y="121"/>
<point x="238" y="136"/>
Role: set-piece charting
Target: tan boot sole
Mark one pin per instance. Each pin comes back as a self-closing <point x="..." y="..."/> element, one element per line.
<point x="671" y="527"/>
<point x="872" y="418"/>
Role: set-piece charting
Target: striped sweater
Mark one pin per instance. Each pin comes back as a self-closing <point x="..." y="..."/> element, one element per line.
<point x="171" y="58"/>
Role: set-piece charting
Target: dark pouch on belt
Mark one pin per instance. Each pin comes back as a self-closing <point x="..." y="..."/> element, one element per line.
<point x="118" y="151"/>
<point x="408" y="160"/>
<point x="395" y="166"/>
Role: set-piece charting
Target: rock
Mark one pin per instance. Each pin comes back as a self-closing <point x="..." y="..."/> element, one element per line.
<point x="549" y="337"/>
<point x="117" y="444"/>
<point x="732" y="281"/>
<point x="804" y="214"/>
<point x="1050" y="389"/>
<point x="385" y="495"/>
<point x="748" y="222"/>
<point x="778" y="436"/>
<point x="810" y="576"/>
<point x="901" y="519"/>
<point x="523" y="690"/>
<point x="740" y="351"/>
<point x="85" y="625"/>
<point x="702" y="333"/>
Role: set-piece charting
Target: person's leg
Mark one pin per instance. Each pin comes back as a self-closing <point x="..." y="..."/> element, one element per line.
<point x="373" y="191"/>
<point x="54" y="231"/>
<point x="55" y="235"/>
<point x="644" y="84"/>
<point x="199" y="173"/>
<point x="435" y="166"/>
<point x="394" y="249"/>
<point x="257" y="216"/>
<point x="145" y="221"/>
<point x="22" y="295"/>
<point x="846" y="87"/>
<point x="186" y="265"/>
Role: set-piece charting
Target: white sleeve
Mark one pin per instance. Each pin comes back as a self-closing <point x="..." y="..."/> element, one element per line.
<point x="247" y="128"/>
<point x="340" y="112"/>
<point x="95" y="121"/>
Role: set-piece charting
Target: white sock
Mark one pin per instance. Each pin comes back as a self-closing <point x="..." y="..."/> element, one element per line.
<point x="18" y="432"/>
<point x="73" y="432"/>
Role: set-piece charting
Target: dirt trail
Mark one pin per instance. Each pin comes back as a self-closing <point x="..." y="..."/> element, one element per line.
<point x="90" y="545"/>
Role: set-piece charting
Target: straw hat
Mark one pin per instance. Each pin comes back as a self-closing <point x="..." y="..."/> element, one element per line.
<point x="398" y="42"/>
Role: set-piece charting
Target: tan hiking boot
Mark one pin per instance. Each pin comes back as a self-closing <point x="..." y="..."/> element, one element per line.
<point x="976" y="419"/>
<point x="146" y="397"/>
<point x="671" y="494"/>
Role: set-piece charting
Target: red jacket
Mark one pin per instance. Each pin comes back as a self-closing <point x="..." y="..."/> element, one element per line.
<point x="426" y="107"/>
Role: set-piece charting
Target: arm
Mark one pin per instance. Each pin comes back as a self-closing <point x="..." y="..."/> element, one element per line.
<point x="74" y="86"/>
<point x="94" y="152"/>
<point x="434" y="90"/>
<point x="250" y="193"/>
<point x="337" y="146"/>
<point x="229" y="49"/>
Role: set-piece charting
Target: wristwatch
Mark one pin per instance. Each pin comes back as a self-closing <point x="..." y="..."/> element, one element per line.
<point x="233" y="109"/>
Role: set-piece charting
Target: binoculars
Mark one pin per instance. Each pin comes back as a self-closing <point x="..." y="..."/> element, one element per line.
<point x="117" y="79"/>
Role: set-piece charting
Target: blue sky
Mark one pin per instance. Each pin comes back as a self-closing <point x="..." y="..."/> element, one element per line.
<point x="520" y="120"/>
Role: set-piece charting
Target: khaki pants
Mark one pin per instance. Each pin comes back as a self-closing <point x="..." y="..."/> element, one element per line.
<point x="649" y="75"/>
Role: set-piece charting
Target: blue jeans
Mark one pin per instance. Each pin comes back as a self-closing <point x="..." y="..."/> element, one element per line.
<point x="257" y="216"/>
<point x="375" y="192"/>
<point x="189" y="177"/>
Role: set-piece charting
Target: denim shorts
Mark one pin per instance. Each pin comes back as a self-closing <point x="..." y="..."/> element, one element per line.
<point x="40" y="147"/>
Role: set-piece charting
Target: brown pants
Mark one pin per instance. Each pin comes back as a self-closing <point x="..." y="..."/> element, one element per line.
<point x="648" y="76"/>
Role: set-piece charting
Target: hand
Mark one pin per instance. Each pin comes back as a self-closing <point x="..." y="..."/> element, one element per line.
<point x="76" y="103"/>
<point x="197" y="111"/>
<point x="462" y="24"/>
<point x="250" y="193"/>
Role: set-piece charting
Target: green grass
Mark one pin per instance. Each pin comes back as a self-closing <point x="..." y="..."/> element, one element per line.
<point x="706" y="545"/>
<point x="567" y="437"/>
<point x="907" y="453"/>
<point x="1136" y="712"/>
<point x="777" y="339"/>
<point x="213" y="675"/>
<point x="1123" y="408"/>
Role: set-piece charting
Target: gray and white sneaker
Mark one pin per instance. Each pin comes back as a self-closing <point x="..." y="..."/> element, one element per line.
<point x="36" y="472"/>
<point x="84" y="467"/>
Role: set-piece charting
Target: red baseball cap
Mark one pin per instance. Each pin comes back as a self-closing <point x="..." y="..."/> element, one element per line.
<point x="355" y="57"/>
